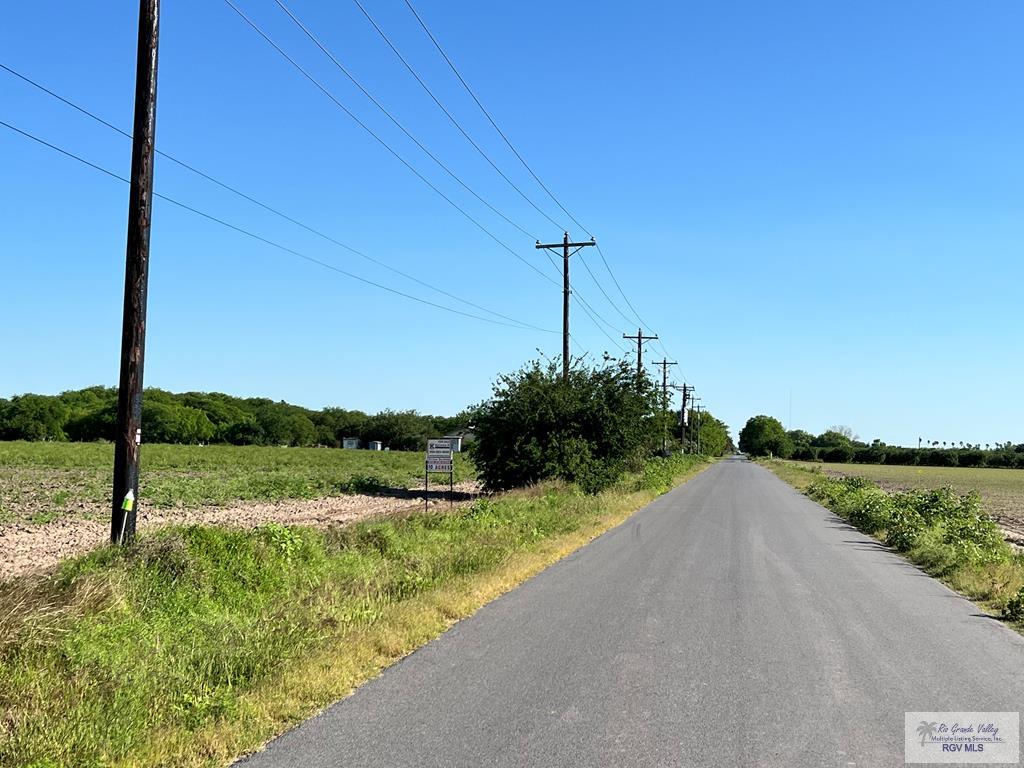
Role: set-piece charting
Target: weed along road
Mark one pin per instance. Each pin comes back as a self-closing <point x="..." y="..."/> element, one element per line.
<point x="732" y="622"/>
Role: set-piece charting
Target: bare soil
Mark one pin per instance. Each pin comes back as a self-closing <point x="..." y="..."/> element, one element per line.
<point x="26" y="548"/>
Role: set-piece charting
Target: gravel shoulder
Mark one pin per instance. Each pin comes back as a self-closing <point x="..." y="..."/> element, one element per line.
<point x="28" y="548"/>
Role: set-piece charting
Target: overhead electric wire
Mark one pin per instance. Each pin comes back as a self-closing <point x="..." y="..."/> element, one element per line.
<point x="603" y="292"/>
<point x="381" y="141"/>
<point x="266" y="207"/>
<point x="262" y="239"/>
<point x="491" y="119"/>
<point x="450" y="116"/>
<point x="614" y="342"/>
<point x="323" y="48"/>
<point x="316" y="41"/>
<point x="515" y="152"/>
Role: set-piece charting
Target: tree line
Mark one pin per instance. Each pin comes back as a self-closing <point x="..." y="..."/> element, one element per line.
<point x="765" y="435"/>
<point x="213" y="417"/>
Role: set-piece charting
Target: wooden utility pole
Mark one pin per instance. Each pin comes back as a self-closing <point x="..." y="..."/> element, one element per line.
<point x="128" y="435"/>
<point x="565" y="245"/>
<point x="694" y="431"/>
<point x="686" y="389"/>
<point x="640" y="339"/>
<point x="664" y="396"/>
<point x="698" y="428"/>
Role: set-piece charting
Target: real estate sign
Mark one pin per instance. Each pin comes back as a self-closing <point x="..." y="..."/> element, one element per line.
<point x="439" y="455"/>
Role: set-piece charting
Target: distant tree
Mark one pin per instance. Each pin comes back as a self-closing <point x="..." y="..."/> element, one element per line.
<point x="763" y="435"/>
<point x="714" y="435"/>
<point x="799" y="438"/>
<point x="33" y="417"/>
<point x="399" y="430"/>
<point x="170" y="422"/>
<point x="831" y="438"/>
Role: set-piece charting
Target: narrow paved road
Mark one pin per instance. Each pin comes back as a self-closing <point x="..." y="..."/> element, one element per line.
<point x="731" y="623"/>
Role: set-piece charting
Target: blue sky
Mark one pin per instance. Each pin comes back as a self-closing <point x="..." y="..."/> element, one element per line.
<point x="811" y="203"/>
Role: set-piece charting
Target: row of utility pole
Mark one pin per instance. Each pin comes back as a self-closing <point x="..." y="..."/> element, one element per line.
<point x="128" y="435"/>
<point x="570" y="249"/>
<point x="566" y="245"/>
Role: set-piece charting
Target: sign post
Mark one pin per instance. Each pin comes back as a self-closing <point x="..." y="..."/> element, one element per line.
<point x="439" y="459"/>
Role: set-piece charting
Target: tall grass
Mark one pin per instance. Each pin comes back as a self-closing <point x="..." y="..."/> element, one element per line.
<point x="128" y="656"/>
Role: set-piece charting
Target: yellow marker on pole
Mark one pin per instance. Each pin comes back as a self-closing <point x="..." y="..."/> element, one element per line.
<point x="126" y="506"/>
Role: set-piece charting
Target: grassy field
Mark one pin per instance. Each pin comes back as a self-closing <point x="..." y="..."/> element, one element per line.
<point x="1001" y="490"/>
<point x="40" y="482"/>
<point x="201" y="643"/>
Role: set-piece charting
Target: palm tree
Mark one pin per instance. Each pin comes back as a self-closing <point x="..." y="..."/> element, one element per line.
<point x="924" y="730"/>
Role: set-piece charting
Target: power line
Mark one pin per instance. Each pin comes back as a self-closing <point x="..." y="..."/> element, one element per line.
<point x="603" y="292"/>
<point x="316" y="41"/>
<point x="618" y="345"/>
<point x="451" y="117"/>
<point x="621" y="292"/>
<point x="260" y="238"/>
<point x="383" y="143"/>
<point x="263" y="205"/>
<point x="519" y="156"/>
<point x="491" y="119"/>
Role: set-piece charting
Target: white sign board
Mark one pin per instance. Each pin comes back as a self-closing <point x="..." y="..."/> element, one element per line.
<point x="439" y="448"/>
<point x="439" y="456"/>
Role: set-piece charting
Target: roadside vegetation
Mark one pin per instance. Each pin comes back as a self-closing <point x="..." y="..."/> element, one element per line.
<point x="1001" y="491"/>
<point x="198" y="644"/>
<point x="588" y="429"/>
<point x="945" y="532"/>
<point x="44" y="481"/>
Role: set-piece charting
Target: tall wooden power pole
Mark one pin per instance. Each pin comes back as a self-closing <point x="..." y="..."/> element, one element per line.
<point x="692" y="416"/>
<point x="697" y="423"/>
<point x="686" y="389"/>
<point x="664" y="397"/>
<point x="565" y="245"/>
<point x="640" y="339"/>
<point x="128" y="435"/>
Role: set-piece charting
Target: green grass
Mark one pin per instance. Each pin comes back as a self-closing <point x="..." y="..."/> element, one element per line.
<point x="1001" y="490"/>
<point x="44" y="481"/>
<point x="200" y="643"/>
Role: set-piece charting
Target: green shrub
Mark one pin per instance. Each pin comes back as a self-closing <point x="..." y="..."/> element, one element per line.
<point x="586" y="429"/>
<point x="1014" y="610"/>
<point x="870" y="509"/>
<point x="905" y="528"/>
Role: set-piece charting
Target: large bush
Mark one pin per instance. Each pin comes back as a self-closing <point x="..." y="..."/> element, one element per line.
<point x="587" y="429"/>
<point x="764" y="435"/>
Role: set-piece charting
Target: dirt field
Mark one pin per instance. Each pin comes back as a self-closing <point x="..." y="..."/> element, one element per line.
<point x="54" y="497"/>
<point x="30" y="547"/>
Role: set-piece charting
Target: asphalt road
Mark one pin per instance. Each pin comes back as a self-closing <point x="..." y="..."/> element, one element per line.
<point x="732" y="622"/>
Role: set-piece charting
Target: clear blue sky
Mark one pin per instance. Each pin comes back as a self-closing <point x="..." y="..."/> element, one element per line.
<point x="820" y="203"/>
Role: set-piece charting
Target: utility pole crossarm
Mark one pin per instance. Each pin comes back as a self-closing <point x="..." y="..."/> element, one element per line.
<point x="639" y="339"/>
<point x="565" y="245"/>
